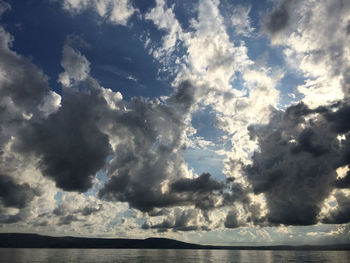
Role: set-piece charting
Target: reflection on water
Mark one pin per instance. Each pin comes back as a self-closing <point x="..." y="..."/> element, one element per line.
<point x="159" y="255"/>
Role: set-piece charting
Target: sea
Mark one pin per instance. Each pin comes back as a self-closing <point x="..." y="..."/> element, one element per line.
<point x="13" y="255"/>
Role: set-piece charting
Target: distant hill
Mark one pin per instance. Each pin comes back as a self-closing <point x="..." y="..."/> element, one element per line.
<point x="19" y="240"/>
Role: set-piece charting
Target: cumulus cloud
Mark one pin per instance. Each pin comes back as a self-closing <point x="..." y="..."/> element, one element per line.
<point x="301" y="148"/>
<point x="72" y="140"/>
<point x="71" y="147"/>
<point x="114" y="11"/>
<point x="21" y="82"/>
<point x="69" y="143"/>
<point x="314" y="44"/>
<point x="231" y="220"/>
<point x="76" y="66"/>
<point x="35" y="132"/>
<point x="296" y="166"/>
<point x="212" y="62"/>
<point x="165" y="19"/>
<point x="15" y="195"/>
<point x="67" y="213"/>
<point x="150" y="138"/>
<point x="24" y="95"/>
<point x="180" y="220"/>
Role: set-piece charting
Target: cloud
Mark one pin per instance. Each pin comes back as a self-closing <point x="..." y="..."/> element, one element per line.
<point x="231" y="220"/>
<point x="340" y="214"/>
<point x="279" y="18"/>
<point x="164" y="18"/>
<point x="114" y="11"/>
<point x="15" y="195"/>
<point x="67" y="220"/>
<point x="24" y="96"/>
<point x="343" y="183"/>
<point x="201" y="184"/>
<point x="212" y="63"/>
<point x="315" y="44"/>
<point x="71" y="146"/>
<point x="76" y="66"/>
<point x="87" y="210"/>
<point x="296" y="166"/>
<point x="6" y="218"/>
<point x="21" y="81"/>
<point x="241" y="21"/>
<point x="137" y="146"/>
<point x="61" y="137"/>
<point x="144" y="138"/>
<point x="4" y="6"/>
<point x="180" y="220"/>
<point x="150" y="138"/>
<point x="67" y="208"/>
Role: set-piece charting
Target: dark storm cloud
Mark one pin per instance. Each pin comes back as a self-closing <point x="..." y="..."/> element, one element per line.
<point x="25" y="84"/>
<point x="306" y="143"/>
<point x="15" y="195"/>
<point x="147" y="199"/>
<point x="201" y="184"/>
<point x="296" y="165"/>
<point x="231" y="220"/>
<point x="279" y="18"/>
<point x="339" y="120"/>
<point x="71" y="146"/>
<point x="343" y="182"/>
<point x="23" y="90"/>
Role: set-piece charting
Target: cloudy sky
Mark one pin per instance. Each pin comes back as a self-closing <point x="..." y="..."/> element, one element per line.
<point x="214" y="122"/>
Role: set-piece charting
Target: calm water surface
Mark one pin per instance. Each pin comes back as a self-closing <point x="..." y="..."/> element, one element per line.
<point x="14" y="255"/>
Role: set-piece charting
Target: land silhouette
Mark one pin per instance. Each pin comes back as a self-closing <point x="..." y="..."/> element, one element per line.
<point x="23" y="240"/>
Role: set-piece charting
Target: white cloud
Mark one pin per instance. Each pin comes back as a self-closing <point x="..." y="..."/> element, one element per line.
<point x="76" y="66"/>
<point x="212" y="61"/>
<point x="315" y="43"/>
<point x="165" y="19"/>
<point x="241" y="21"/>
<point x="115" y="11"/>
<point x="51" y="103"/>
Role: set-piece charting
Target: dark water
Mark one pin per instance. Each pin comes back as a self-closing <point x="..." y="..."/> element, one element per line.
<point x="155" y="255"/>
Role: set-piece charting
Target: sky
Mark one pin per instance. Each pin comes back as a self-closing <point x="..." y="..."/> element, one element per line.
<point x="213" y="122"/>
